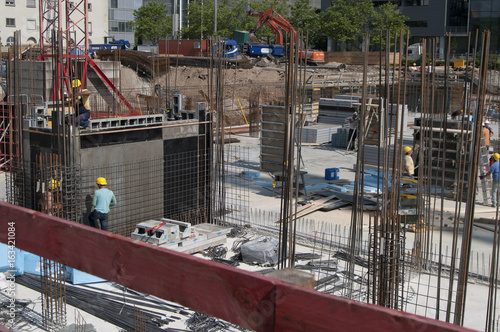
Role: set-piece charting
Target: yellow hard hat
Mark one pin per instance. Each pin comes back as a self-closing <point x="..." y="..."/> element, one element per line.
<point x="406" y="149"/>
<point x="101" y="181"/>
<point x="76" y="83"/>
<point x="496" y="156"/>
<point x="54" y="184"/>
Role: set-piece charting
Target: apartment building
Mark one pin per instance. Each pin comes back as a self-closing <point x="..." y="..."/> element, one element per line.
<point x="121" y="13"/>
<point x="23" y="15"/>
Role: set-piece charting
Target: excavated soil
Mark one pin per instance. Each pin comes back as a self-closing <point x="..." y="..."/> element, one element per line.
<point x="264" y="80"/>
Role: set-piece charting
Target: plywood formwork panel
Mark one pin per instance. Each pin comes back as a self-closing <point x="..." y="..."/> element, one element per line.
<point x="272" y="138"/>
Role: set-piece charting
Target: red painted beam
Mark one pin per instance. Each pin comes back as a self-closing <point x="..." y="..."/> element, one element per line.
<point x="248" y="299"/>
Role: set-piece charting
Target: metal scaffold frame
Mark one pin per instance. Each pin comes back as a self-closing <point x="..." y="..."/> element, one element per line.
<point x="64" y="36"/>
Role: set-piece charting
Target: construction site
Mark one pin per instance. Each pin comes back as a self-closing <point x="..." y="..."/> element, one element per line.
<point x="239" y="203"/>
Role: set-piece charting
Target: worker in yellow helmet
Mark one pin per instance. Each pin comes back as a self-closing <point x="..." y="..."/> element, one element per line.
<point x="103" y="200"/>
<point x="408" y="166"/>
<point x="455" y="115"/>
<point x="76" y="83"/>
<point x="47" y="201"/>
<point x="81" y="100"/>
<point x="494" y="170"/>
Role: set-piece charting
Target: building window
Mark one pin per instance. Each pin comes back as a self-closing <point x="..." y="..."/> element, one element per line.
<point x="31" y="3"/>
<point x="124" y="27"/>
<point x="114" y="4"/>
<point x="89" y="7"/>
<point x="31" y="24"/>
<point x="10" y="41"/>
<point x="90" y="28"/>
<point x="416" y="2"/>
<point x="416" y="24"/>
<point x="10" y="22"/>
<point x="10" y="2"/>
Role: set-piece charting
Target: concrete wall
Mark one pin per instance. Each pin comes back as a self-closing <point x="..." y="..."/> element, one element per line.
<point x="137" y="187"/>
<point x="145" y="169"/>
<point x="37" y="82"/>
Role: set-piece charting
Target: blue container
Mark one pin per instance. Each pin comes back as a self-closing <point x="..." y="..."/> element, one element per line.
<point x="332" y="173"/>
<point x="259" y="50"/>
<point x="278" y="50"/>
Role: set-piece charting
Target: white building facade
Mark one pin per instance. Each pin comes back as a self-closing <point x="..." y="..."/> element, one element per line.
<point x="23" y="15"/>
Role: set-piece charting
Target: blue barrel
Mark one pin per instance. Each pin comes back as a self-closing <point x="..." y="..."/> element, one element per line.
<point x="332" y="173"/>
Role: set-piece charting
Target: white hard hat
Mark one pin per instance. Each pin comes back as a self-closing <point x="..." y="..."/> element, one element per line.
<point x="355" y="113"/>
<point x="486" y="122"/>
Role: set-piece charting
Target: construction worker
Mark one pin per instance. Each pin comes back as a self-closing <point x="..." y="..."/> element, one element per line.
<point x="494" y="169"/>
<point x="486" y="135"/>
<point x="82" y="103"/>
<point x="408" y="166"/>
<point x="487" y="125"/>
<point x="103" y="200"/>
<point x="456" y="114"/>
<point x="353" y="127"/>
<point x="47" y="203"/>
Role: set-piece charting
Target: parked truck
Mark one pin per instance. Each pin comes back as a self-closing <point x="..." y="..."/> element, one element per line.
<point x="120" y="44"/>
<point x="414" y="52"/>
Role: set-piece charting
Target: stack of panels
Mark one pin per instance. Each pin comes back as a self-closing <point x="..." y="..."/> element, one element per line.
<point x="319" y="133"/>
<point x="372" y="151"/>
<point x="333" y="117"/>
<point x="339" y="139"/>
<point x="337" y="110"/>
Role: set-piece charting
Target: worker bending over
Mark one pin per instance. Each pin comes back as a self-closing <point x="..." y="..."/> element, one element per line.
<point x="408" y="166"/>
<point x="103" y="200"/>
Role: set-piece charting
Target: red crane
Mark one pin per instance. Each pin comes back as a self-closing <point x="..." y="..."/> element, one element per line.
<point x="276" y="23"/>
<point x="64" y="37"/>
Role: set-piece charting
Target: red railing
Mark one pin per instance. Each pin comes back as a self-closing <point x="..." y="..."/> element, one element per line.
<point x="248" y="299"/>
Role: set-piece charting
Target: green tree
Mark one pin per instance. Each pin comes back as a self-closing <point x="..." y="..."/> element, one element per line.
<point x="347" y="20"/>
<point x="151" y="22"/>
<point x="200" y="19"/>
<point x="387" y="17"/>
<point x="306" y="19"/>
<point x="281" y="7"/>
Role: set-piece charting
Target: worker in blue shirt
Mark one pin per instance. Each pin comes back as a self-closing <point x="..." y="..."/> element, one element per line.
<point x="103" y="200"/>
<point x="494" y="170"/>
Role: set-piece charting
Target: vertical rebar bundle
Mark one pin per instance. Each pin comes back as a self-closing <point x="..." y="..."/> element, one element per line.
<point x="53" y="281"/>
<point x="80" y="323"/>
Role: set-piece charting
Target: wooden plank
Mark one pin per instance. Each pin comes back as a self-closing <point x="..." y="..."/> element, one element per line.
<point x="312" y="206"/>
<point x="248" y="299"/>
